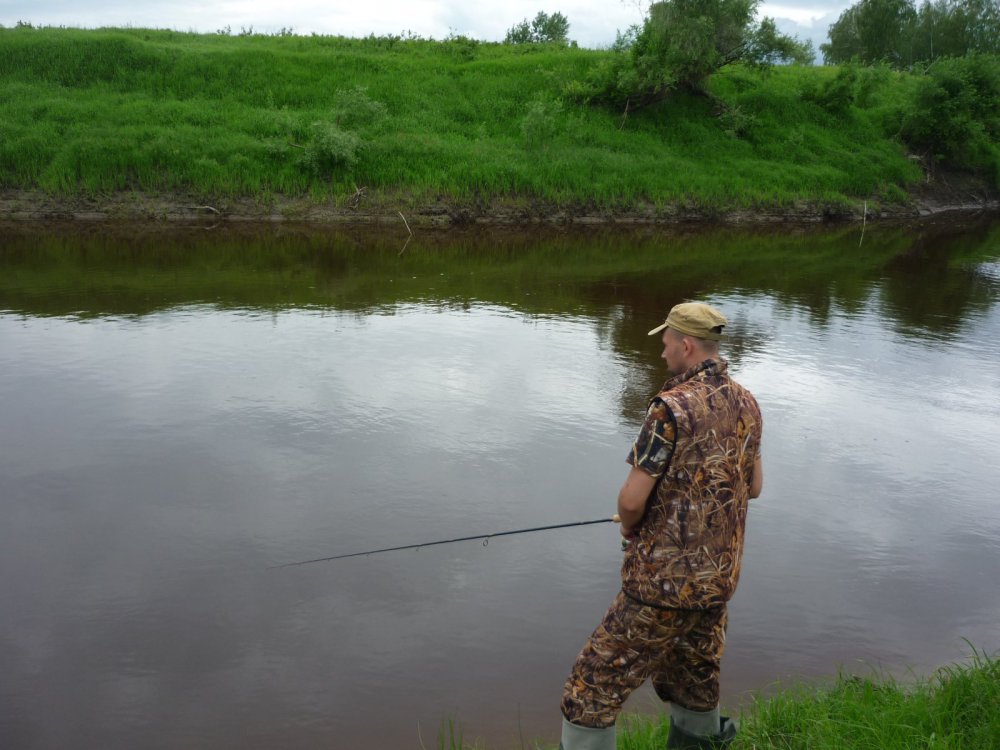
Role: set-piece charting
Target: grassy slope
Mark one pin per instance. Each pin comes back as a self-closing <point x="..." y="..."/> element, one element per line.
<point x="109" y="110"/>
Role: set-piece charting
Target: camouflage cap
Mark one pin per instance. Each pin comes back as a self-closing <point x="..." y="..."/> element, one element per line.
<point x="695" y="319"/>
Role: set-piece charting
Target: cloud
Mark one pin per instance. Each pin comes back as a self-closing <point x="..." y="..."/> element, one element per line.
<point x="590" y="25"/>
<point x="807" y="21"/>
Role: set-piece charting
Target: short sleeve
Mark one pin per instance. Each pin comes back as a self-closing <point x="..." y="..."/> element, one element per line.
<point x="654" y="446"/>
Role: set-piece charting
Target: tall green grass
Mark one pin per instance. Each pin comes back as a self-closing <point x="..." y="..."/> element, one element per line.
<point x="215" y="115"/>
<point x="956" y="709"/>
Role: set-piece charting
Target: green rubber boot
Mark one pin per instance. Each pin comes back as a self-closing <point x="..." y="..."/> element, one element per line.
<point x="575" y="737"/>
<point x="699" y="730"/>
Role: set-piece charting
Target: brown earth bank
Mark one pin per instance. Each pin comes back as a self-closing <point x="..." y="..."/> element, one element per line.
<point x="945" y="193"/>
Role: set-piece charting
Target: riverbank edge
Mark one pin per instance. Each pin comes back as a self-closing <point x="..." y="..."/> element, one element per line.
<point x="953" y="707"/>
<point x="374" y="208"/>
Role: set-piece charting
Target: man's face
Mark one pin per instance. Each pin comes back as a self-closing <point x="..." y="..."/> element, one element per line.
<point x="673" y="351"/>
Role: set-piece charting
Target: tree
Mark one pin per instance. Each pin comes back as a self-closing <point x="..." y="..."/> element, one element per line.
<point x="683" y="42"/>
<point x="872" y="31"/>
<point x="544" y="28"/>
<point x="900" y="34"/>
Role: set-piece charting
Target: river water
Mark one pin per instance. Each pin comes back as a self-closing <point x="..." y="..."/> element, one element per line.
<point x="180" y="411"/>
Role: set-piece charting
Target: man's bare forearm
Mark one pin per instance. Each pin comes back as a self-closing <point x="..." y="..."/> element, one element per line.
<point x="632" y="499"/>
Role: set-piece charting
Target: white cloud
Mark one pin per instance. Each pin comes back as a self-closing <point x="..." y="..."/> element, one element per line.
<point x="805" y="15"/>
<point x="590" y="24"/>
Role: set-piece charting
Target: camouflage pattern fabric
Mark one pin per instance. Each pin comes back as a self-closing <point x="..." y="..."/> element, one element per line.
<point x="700" y="438"/>
<point x="679" y="650"/>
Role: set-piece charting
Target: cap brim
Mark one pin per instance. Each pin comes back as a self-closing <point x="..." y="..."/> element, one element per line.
<point x="657" y="329"/>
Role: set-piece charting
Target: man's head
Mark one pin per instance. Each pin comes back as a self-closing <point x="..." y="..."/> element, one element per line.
<point x="691" y="334"/>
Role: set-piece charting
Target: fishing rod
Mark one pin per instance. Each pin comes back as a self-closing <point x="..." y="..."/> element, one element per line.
<point x="486" y="537"/>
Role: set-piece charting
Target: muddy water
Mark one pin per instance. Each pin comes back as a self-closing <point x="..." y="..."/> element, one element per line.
<point x="179" y="412"/>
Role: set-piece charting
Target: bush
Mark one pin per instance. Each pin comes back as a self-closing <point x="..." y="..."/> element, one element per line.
<point x="540" y="125"/>
<point x="836" y="95"/>
<point x="631" y="77"/>
<point x="544" y="28"/>
<point x="331" y="148"/>
<point x="354" y="109"/>
<point x="462" y="47"/>
<point x="954" y="115"/>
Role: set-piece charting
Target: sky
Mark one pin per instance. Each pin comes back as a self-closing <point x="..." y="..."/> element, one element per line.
<point x="592" y="23"/>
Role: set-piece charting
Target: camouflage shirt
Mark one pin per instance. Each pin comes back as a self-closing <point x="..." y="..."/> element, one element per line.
<point x="700" y="437"/>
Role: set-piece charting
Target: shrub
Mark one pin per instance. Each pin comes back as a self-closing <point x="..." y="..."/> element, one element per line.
<point x="954" y="114"/>
<point x="355" y="109"/>
<point x="540" y="125"/>
<point x="544" y="28"/>
<point x="331" y="148"/>
<point x="836" y="95"/>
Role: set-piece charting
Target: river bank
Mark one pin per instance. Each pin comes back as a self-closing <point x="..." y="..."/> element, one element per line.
<point x="140" y="124"/>
<point x="958" y="707"/>
<point x="960" y="195"/>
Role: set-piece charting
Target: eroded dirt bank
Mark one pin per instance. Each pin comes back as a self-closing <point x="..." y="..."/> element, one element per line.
<point x="954" y="193"/>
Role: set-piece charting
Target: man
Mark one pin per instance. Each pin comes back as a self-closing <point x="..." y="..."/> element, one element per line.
<point x="695" y="465"/>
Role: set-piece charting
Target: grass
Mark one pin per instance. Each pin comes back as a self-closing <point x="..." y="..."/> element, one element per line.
<point x="95" y="111"/>
<point x="958" y="708"/>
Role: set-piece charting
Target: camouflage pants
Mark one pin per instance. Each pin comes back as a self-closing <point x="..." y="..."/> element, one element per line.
<point x="678" y="649"/>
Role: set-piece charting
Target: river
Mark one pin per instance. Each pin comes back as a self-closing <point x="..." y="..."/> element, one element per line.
<point x="181" y="410"/>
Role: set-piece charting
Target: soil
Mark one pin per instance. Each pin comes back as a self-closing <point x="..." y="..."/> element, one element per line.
<point x="953" y="192"/>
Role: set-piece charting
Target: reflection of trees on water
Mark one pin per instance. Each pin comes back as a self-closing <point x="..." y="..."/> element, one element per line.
<point x="923" y="281"/>
<point x="935" y="287"/>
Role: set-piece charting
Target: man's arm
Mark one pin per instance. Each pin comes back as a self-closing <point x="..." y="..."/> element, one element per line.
<point x="632" y="499"/>
<point x="757" y="480"/>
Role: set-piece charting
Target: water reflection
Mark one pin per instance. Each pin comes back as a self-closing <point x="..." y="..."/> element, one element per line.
<point x="180" y="412"/>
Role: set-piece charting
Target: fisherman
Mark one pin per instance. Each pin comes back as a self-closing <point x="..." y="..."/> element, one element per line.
<point x="695" y="465"/>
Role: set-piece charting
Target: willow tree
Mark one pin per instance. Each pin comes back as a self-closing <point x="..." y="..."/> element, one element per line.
<point x="681" y="43"/>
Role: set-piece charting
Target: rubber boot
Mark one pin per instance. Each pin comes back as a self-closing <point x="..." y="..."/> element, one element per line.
<point x="575" y="737"/>
<point x="699" y="730"/>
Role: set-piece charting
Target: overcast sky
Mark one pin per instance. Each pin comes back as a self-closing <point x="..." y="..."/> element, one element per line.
<point x="592" y="23"/>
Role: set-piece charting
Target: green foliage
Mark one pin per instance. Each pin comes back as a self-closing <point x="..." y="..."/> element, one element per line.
<point x="634" y="75"/>
<point x="681" y="43"/>
<point x="836" y="95"/>
<point x="541" y="124"/>
<point x="354" y="109"/>
<point x="221" y="115"/>
<point x="871" y="31"/>
<point x="956" y="709"/>
<point x="694" y="38"/>
<point x="542" y="29"/>
<point x="899" y="33"/>
<point x="462" y="47"/>
<point x="335" y="145"/>
<point x="955" y="113"/>
<point x="765" y="45"/>
<point x="331" y="148"/>
<point x="737" y="122"/>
